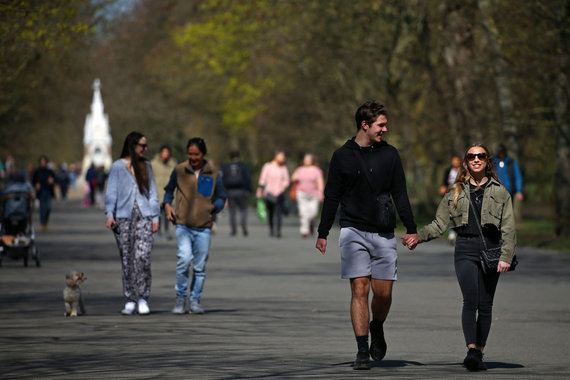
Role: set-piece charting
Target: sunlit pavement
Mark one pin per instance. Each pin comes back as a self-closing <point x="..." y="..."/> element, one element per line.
<point x="275" y="308"/>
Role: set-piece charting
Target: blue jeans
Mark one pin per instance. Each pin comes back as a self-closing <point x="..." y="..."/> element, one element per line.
<point x="193" y="245"/>
<point x="45" y="207"/>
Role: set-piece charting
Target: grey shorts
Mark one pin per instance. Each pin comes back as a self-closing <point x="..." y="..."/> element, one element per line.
<point x="366" y="254"/>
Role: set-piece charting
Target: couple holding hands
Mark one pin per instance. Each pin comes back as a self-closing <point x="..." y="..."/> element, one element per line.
<point x="366" y="178"/>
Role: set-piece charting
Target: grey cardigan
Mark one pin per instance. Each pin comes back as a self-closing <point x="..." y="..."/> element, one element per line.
<point x="122" y="191"/>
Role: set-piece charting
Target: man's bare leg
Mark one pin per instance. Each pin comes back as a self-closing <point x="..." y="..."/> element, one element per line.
<point x="381" y="302"/>
<point x="360" y="315"/>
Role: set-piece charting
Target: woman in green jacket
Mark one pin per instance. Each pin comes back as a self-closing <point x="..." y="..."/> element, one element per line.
<point x="477" y="181"/>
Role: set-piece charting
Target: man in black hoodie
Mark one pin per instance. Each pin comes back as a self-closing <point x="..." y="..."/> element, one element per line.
<point x="365" y="175"/>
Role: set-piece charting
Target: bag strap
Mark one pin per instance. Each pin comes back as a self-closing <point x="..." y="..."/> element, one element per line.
<point x="366" y="173"/>
<point x="475" y="214"/>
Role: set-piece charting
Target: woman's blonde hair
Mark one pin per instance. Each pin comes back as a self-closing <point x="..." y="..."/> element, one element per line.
<point x="464" y="175"/>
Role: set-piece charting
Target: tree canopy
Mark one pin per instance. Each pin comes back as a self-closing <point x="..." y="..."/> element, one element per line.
<point x="261" y="75"/>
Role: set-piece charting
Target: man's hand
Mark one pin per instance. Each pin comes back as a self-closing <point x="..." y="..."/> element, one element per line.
<point x="322" y="245"/>
<point x="410" y="241"/>
<point x="169" y="211"/>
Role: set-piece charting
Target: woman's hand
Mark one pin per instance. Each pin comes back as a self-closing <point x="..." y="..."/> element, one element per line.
<point x="154" y="227"/>
<point x="258" y="192"/>
<point x="410" y="241"/>
<point x="503" y="266"/>
<point x="109" y="222"/>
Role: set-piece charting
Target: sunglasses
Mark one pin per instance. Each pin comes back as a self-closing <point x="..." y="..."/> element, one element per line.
<point x="143" y="145"/>
<point x="481" y="156"/>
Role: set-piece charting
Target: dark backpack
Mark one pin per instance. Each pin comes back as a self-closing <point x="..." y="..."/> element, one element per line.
<point x="232" y="176"/>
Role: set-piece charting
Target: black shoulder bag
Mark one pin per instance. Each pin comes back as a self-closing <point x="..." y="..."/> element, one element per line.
<point x="385" y="211"/>
<point x="489" y="256"/>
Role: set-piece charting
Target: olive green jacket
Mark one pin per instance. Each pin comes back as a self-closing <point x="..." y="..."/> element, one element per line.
<point x="496" y="210"/>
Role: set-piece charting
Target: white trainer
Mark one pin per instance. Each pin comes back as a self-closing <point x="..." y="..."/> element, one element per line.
<point x="196" y="308"/>
<point x="143" y="307"/>
<point x="129" y="308"/>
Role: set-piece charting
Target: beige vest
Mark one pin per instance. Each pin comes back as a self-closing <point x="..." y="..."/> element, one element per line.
<point x="192" y="208"/>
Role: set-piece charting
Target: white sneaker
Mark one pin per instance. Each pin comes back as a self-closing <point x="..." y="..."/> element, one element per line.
<point x="196" y="308"/>
<point x="129" y="308"/>
<point x="143" y="307"/>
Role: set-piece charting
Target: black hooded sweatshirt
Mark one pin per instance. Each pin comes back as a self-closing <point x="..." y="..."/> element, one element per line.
<point x="348" y="185"/>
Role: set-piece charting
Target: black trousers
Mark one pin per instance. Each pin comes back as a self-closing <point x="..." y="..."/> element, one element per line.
<point x="478" y="291"/>
<point x="237" y="202"/>
<point x="275" y="211"/>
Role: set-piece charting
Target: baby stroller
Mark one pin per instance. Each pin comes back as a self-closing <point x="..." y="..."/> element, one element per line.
<point x="16" y="223"/>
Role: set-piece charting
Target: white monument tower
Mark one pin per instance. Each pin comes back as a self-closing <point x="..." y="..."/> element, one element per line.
<point x="96" y="136"/>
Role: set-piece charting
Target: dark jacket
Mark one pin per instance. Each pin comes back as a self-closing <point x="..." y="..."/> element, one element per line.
<point x="42" y="176"/>
<point x="348" y="185"/>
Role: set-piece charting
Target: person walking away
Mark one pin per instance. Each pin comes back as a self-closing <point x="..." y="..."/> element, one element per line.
<point x="448" y="180"/>
<point x="237" y="182"/>
<point x="310" y="192"/>
<point x="62" y="180"/>
<point x="43" y="181"/>
<point x="132" y="209"/>
<point x="365" y="175"/>
<point x="162" y="166"/>
<point x="200" y="195"/>
<point x="477" y="195"/>
<point x="273" y="181"/>
<point x="91" y="180"/>
<point x="509" y="173"/>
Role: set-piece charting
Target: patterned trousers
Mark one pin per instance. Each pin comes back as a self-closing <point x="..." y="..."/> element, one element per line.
<point x="135" y="243"/>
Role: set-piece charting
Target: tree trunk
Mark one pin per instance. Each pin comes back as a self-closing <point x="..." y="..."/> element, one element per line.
<point x="501" y="81"/>
<point x="562" y="97"/>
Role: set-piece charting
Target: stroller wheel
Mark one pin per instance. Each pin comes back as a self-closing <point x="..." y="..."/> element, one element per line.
<point x="35" y="252"/>
<point x="37" y="258"/>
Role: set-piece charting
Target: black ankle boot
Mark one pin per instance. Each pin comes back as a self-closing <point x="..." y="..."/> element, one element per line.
<point x="378" y="345"/>
<point x="474" y="360"/>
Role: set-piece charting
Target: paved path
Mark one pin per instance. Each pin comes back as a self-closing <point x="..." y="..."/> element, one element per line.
<point x="276" y="309"/>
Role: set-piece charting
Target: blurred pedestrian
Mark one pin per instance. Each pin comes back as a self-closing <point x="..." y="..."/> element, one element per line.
<point x="10" y="166"/>
<point x="101" y="181"/>
<point x="91" y="181"/>
<point x="448" y="180"/>
<point x="309" y="187"/>
<point x="199" y="196"/>
<point x="43" y="181"/>
<point x="273" y="182"/>
<point x="162" y="166"/>
<point x="62" y="180"/>
<point x="237" y="183"/>
<point x="365" y="174"/>
<point x="478" y="207"/>
<point x="510" y="176"/>
<point x="132" y="209"/>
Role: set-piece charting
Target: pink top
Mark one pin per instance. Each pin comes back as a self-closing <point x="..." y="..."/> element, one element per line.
<point x="275" y="179"/>
<point x="308" y="177"/>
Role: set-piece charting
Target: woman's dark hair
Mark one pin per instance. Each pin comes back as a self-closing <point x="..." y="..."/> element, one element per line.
<point x="369" y="112"/>
<point x="139" y="164"/>
<point x="198" y="142"/>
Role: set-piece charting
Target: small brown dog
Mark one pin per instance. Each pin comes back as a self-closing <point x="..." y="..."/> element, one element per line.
<point x="72" y="293"/>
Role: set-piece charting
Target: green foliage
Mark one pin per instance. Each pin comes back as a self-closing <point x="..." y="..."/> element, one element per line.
<point x="261" y="75"/>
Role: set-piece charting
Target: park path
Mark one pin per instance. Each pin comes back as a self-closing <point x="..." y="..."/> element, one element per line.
<point x="275" y="309"/>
